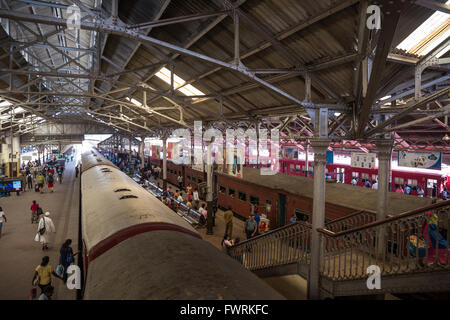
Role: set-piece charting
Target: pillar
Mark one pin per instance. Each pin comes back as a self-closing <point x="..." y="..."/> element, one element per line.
<point x="209" y="196"/>
<point x="384" y="163"/>
<point x="141" y="152"/>
<point x="129" y="155"/>
<point x="306" y="158"/>
<point x="320" y="146"/>
<point x="164" y="163"/>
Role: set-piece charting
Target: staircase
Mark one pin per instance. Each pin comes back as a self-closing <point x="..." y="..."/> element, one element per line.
<point x="353" y="243"/>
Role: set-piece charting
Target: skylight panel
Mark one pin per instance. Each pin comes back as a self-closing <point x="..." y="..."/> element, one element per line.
<point x="5" y="104"/>
<point x="18" y="110"/>
<point x="178" y="83"/>
<point x="428" y="35"/>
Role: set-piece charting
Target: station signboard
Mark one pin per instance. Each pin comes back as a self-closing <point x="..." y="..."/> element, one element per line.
<point x="363" y="160"/>
<point x="426" y="160"/>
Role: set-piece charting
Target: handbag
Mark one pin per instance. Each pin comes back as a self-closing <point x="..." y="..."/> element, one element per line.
<point x="59" y="270"/>
<point x="42" y="230"/>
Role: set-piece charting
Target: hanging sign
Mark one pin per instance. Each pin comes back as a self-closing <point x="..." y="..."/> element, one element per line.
<point x="363" y="160"/>
<point x="330" y="156"/>
<point x="426" y="160"/>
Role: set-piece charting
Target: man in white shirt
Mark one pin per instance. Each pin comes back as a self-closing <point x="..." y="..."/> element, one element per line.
<point x="180" y="198"/>
<point x="180" y="181"/>
<point x="375" y="185"/>
<point x="196" y="199"/>
<point x="47" y="223"/>
<point x="354" y="181"/>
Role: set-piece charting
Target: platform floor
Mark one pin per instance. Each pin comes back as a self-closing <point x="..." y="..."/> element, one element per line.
<point x="20" y="254"/>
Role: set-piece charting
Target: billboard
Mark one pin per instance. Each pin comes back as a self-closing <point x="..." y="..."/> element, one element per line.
<point x="290" y="153"/>
<point x="426" y="160"/>
<point x="156" y="150"/>
<point x="363" y="160"/>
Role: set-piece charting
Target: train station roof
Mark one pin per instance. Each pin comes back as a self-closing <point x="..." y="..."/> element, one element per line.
<point x="146" y="67"/>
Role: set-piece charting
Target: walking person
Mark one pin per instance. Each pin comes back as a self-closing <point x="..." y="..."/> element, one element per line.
<point x="50" y="182"/>
<point x="66" y="257"/>
<point x="47" y="294"/>
<point x="30" y="181"/>
<point x="76" y="171"/>
<point x="2" y="220"/>
<point x="45" y="228"/>
<point x="228" y="217"/>
<point x="250" y="227"/>
<point x="40" y="181"/>
<point x="43" y="274"/>
<point x="34" y="211"/>
<point x="180" y="182"/>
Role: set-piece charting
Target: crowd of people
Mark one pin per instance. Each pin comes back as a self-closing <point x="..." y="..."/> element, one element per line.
<point x="39" y="176"/>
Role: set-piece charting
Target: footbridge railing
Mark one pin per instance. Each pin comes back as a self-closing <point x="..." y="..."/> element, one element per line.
<point x="282" y="246"/>
<point x="412" y="242"/>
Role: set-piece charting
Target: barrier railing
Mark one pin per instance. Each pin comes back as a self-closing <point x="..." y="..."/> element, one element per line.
<point x="357" y="219"/>
<point x="284" y="245"/>
<point x="415" y="241"/>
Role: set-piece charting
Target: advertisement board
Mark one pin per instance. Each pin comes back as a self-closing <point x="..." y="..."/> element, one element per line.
<point x="156" y="150"/>
<point x="425" y="160"/>
<point x="290" y="153"/>
<point x="363" y="160"/>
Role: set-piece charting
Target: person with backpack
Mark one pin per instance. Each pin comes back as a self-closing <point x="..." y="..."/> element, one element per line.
<point x="45" y="228"/>
<point x="66" y="257"/>
<point x="50" y="182"/>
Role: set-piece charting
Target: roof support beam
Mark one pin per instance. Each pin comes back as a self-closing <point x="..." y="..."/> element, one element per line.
<point x="391" y="12"/>
<point x="434" y="5"/>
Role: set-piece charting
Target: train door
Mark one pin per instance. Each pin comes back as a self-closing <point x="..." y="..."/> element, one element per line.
<point x="340" y="175"/>
<point x="431" y="188"/>
<point x="281" y="210"/>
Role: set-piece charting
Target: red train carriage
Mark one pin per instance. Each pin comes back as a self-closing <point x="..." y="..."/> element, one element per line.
<point x="431" y="182"/>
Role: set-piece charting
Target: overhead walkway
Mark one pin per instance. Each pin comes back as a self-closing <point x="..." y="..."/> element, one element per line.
<point x="349" y="246"/>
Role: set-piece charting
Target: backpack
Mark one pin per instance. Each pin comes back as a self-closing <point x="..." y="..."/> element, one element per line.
<point x="50" y="179"/>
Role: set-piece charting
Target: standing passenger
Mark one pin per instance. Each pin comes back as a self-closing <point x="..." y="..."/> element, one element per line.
<point x="250" y="227"/>
<point x="50" y="182"/>
<point x="76" y="171"/>
<point x="2" y="220"/>
<point x="228" y="217"/>
<point x="66" y="257"/>
<point x="41" y="180"/>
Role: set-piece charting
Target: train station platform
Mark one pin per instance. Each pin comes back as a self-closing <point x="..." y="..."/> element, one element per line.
<point x="20" y="254"/>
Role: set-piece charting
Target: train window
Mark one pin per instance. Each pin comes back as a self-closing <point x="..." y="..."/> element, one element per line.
<point x="242" y="196"/>
<point x="355" y="174"/>
<point x="222" y="189"/>
<point x="301" y="215"/>
<point x="292" y="167"/>
<point x="254" y="200"/>
<point x="188" y="178"/>
<point x="412" y="182"/>
<point x="231" y="192"/>
<point x="193" y="179"/>
<point x="364" y="176"/>
<point x="399" y="181"/>
<point x="298" y="168"/>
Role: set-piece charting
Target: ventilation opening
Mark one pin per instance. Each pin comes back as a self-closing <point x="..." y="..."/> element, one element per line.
<point x="120" y="190"/>
<point x="128" y="196"/>
<point x="106" y="170"/>
<point x="99" y="160"/>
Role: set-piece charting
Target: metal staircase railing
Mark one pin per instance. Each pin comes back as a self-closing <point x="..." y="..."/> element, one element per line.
<point x="288" y="244"/>
<point x="357" y="219"/>
<point x="388" y="245"/>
